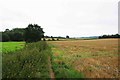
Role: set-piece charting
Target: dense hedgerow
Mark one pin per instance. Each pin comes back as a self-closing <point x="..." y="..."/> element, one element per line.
<point x="30" y="62"/>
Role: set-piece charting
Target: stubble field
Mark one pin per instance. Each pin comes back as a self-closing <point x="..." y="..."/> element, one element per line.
<point x="94" y="58"/>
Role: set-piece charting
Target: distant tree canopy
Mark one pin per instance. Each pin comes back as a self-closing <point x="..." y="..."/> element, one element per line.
<point x="33" y="33"/>
<point x="67" y="36"/>
<point x="5" y="37"/>
<point x="109" y="36"/>
<point x="16" y="34"/>
<point x="54" y="37"/>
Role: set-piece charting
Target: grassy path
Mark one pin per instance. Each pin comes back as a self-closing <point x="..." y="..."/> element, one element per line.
<point x="52" y="76"/>
<point x="60" y="68"/>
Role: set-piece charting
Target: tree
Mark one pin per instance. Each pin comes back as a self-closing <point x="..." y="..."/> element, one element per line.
<point x="67" y="36"/>
<point x="6" y="30"/>
<point x="110" y="36"/>
<point x="57" y="39"/>
<point x="33" y="33"/>
<point x="17" y="36"/>
<point x="44" y="39"/>
<point x="52" y="38"/>
<point x="0" y="36"/>
<point x="5" y="37"/>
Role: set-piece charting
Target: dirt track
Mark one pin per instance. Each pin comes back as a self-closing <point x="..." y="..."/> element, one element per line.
<point x="51" y="73"/>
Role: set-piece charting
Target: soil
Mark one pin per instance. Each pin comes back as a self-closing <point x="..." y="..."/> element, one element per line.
<point x="52" y="76"/>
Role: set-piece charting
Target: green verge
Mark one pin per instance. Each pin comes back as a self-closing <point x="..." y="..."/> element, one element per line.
<point x="60" y="68"/>
<point x="29" y="62"/>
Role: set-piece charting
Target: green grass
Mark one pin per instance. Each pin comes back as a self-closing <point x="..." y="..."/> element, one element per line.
<point x="11" y="46"/>
<point x="29" y="62"/>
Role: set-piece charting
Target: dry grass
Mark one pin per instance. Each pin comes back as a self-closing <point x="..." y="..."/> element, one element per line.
<point x="95" y="58"/>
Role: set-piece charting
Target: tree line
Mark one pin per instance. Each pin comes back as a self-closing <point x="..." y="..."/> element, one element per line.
<point x="31" y="33"/>
<point x="34" y="33"/>
<point x="109" y="36"/>
<point x="16" y="34"/>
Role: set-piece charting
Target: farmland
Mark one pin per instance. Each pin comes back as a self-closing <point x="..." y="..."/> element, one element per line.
<point x="11" y="46"/>
<point x="29" y="62"/>
<point x="93" y="58"/>
<point x="97" y="58"/>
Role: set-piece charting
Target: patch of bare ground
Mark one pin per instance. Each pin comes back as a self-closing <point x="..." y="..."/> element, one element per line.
<point x="51" y="73"/>
<point x="95" y="58"/>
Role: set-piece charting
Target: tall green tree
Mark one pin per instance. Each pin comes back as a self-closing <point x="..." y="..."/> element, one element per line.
<point x="33" y="33"/>
<point x="67" y="36"/>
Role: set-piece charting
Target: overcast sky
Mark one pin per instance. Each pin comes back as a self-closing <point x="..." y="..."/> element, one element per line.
<point x="75" y="18"/>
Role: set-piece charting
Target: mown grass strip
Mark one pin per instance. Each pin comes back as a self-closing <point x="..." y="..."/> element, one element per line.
<point x="30" y="62"/>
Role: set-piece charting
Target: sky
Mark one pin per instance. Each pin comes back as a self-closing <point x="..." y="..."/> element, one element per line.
<point x="76" y="18"/>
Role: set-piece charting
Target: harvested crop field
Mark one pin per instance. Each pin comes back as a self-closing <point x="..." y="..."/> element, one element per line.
<point x="96" y="58"/>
